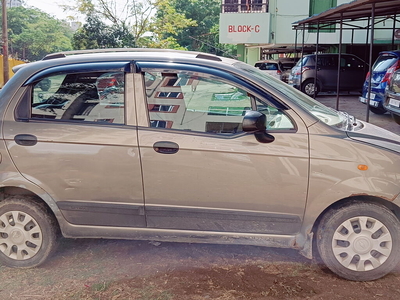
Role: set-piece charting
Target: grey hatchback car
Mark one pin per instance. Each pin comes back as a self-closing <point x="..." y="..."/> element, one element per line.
<point x="190" y="147"/>
<point x="304" y="75"/>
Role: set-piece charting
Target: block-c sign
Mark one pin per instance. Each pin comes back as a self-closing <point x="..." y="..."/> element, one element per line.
<point x="244" y="28"/>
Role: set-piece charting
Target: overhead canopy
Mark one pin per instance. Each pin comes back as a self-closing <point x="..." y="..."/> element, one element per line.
<point x="355" y="10"/>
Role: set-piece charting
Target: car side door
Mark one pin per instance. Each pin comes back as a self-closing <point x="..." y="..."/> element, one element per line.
<point x="77" y="141"/>
<point x="201" y="171"/>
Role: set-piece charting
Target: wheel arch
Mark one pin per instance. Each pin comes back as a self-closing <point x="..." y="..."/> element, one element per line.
<point x="9" y="191"/>
<point x="345" y="201"/>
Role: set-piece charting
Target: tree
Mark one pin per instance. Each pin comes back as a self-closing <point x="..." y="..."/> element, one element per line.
<point x="33" y="33"/>
<point x="204" y="35"/>
<point x="133" y="20"/>
<point x="96" y="34"/>
<point x="125" y="21"/>
<point x="167" y="24"/>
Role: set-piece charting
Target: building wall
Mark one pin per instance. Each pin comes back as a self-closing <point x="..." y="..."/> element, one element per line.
<point x="276" y="22"/>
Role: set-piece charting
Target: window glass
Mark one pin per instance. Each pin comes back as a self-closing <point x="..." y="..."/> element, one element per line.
<point x="351" y="63"/>
<point x="327" y="61"/>
<point x="276" y="119"/>
<point x="90" y="97"/>
<point x="195" y="102"/>
<point x="383" y="63"/>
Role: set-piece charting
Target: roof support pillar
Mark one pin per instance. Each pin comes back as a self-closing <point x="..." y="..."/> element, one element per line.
<point x="316" y="63"/>
<point x="302" y="55"/>
<point x="339" y="61"/>
<point x="394" y="29"/>
<point x="370" y="60"/>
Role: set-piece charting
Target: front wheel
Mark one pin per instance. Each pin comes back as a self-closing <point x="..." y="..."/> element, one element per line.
<point x="377" y="110"/>
<point x="310" y="88"/>
<point x="27" y="233"/>
<point x="359" y="241"/>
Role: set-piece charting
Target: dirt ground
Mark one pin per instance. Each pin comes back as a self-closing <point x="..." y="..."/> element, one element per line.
<point x="117" y="269"/>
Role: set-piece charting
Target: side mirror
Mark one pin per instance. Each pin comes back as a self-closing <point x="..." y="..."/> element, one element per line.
<point x="255" y="121"/>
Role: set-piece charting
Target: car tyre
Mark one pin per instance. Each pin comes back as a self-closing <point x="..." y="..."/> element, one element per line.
<point x="309" y="88"/>
<point x="377" y="110"/>
<point x="359" y="241"/>
<point x="396" y="118"/>
<point x="28" y="232"/>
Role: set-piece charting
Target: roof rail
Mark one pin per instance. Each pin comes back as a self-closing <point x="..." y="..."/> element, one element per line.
<point x="108" y="50"/>
<point x="88" y="51"/>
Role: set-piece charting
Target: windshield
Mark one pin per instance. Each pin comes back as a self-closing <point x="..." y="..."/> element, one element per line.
<point x="383" y="63"/>
<point x="326" y="114"/>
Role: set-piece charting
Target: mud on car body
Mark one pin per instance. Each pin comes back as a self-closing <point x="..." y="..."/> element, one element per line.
<point x="190" y="147"/>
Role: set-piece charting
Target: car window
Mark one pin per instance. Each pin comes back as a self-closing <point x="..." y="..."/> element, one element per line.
<point x="383" y="63"/>
<point x="327" y="61"/>
<point x="89" y="97"/>
<point x="351" y="63"/>
<point x="271" y="66"/>
<point x="276" y="118"/>
<point x="194" y="101"/>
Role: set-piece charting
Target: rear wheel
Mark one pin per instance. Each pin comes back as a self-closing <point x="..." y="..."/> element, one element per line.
<point x="309" y="88"/>
<point x="27" y="233"/>
<point x="359" y="241"/>
<point x="377" y="110"/>
<point x="396" y="118"/>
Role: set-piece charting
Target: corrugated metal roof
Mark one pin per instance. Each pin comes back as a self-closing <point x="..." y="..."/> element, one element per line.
<point x="355" y="10"/>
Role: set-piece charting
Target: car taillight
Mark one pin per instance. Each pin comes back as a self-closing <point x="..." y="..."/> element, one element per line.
<point x="302" y="70"/>
<point x="279" y="72"/>
<point x="367" y="77"/>
<point x="390" y="71"/>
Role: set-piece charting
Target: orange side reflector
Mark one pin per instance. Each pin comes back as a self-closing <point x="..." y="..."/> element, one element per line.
<point x="362" y="167"/>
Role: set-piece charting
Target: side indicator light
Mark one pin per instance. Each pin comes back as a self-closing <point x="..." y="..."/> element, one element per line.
<point x="362" y="167"/>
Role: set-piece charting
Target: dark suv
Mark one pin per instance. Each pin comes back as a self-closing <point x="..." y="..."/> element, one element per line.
<point x="351" y="77"/>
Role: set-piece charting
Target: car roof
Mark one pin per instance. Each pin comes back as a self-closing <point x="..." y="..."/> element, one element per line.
<point x="267" y="61"/>
<point x="125" y="54"/>
<point x="392" y="52"/>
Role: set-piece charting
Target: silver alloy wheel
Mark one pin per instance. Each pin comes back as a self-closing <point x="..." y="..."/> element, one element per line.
<point x="20" y="235"/>
<point x="362" y="243"/>
<point x="309" y="88"/>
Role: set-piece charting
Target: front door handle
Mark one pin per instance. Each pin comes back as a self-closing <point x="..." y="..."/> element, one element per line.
<point x="166" y="147"/>
<point x="25" y="139"/>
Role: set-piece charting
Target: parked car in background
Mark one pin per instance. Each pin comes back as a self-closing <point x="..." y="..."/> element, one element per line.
<point x="382" y="70"/>
<point x="271" y="67"/>
<point x="392" y="97"/>
<point x="183" y="146"/>
<point x="287" y="65"/>
<point x="352" y="73"/>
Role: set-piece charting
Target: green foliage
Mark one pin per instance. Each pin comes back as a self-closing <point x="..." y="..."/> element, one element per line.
<point x="96" y="34"/>
<point x="203" y="33"/>
<point x="166" y="25"/>
<point x="33" y="33"/>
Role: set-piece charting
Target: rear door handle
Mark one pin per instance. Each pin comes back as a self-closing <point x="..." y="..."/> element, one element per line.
<point x="166" y="147"/>
<point x="25" y="139"/>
